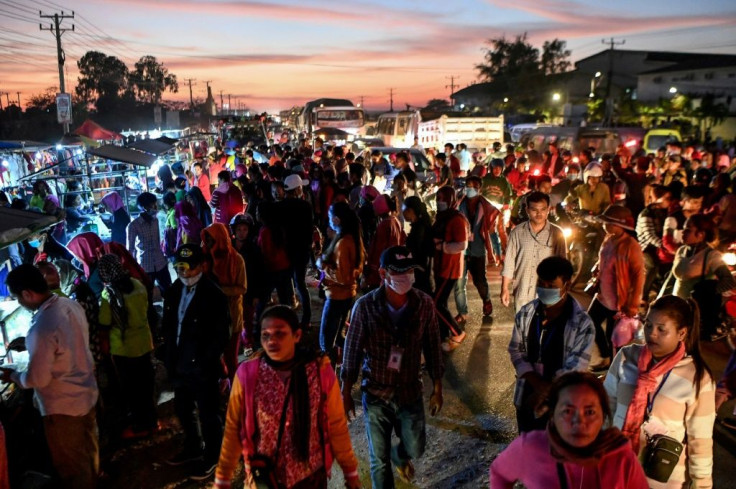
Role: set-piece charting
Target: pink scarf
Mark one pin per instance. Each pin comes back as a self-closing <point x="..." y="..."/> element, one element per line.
<point x="646" y="384"/>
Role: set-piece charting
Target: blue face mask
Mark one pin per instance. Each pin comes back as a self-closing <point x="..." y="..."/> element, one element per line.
<point x="35" y="243"/>
<point x="442" y="206"/>
<point x="471" y="192"/>
<point x="549" y="296"/>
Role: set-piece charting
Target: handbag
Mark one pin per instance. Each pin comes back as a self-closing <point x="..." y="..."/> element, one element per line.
<point x="262" y="467"/>
<point x="660" y="457"/>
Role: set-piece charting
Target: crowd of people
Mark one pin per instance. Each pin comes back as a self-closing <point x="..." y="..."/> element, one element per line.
<point x="211" y="274"/>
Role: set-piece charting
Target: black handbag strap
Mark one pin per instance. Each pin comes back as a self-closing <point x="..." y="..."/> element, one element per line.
<point x="282" y="423"/>
<point x="562" y="476"/>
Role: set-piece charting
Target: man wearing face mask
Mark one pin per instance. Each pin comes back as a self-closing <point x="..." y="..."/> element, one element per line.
<point x="144" y="242"/>
<point x="451" y="232"/>
<point x="484" y="220"/>
<point x="196" y="328"/>
<point x="390" y="329"/>
<point x="552" y="335"/>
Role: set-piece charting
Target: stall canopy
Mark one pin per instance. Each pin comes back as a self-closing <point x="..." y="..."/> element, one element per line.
<point x="77" y="140"/>
<point x="167" y="140"/>
<point x="92" y="130"/>
<point x="17" y="225"/>
<point x="24" y="145"/>
<point x="152" y="146"/>
<point x="123" y="155"/>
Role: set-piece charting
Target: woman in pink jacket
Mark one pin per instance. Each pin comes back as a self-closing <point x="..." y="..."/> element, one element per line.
<point x="575" y="451"/>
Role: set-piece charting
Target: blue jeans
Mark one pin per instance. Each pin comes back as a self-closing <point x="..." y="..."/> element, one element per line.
<point x="383" y="417"/>
<point x="476" y="265"/>
<point x="334" y="315"/>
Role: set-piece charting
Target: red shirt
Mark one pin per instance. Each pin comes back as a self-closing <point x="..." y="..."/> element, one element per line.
<point x="447" y="265"/>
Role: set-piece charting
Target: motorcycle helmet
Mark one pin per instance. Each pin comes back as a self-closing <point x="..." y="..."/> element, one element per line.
<point x="592" y="170"/>
<point x="702" y="177"/>
<point x="240" y="219"/>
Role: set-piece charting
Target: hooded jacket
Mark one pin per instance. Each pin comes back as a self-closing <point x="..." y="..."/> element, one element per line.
<point x="528" y="459"/>
<point x="227" y="267"/>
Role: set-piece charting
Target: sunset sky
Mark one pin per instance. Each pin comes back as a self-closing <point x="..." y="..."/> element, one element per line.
<point x="271" y="55"/>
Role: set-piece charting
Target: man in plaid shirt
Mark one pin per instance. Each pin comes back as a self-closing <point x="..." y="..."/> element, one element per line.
<point x="552" y="335"/>
<point x="390" y="328"/>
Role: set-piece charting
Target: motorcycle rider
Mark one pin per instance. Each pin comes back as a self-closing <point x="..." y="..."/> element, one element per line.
<point x="591" y="197"/>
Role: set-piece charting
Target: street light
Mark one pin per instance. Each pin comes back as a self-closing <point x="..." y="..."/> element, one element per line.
<point x="505" y="100"/>
<point x="556" y="97"/>
<point x="597" y="74"/>
<point x="673" y="90"/>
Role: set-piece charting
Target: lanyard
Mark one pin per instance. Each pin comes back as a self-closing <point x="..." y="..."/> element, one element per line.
<point x="548" y="339"/>
<point x="650" y="398"/>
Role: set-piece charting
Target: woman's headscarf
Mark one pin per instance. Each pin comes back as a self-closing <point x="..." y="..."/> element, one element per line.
<point x="187" y="221"/>
<point x="226" y="262"/>
<point x="201" y="207"/>
<point x="112" y="201"/>
<point x="85" y="248"/>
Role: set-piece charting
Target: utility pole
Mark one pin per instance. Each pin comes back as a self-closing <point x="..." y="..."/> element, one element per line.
<point x="18" y="98"/>
<point x="61" y="57"/>
<point x="609" y="79"/>
<point x="191" y="96"/>
<point x="222" y="103"/>
<point x="362" y="105"/>
<point x="452" y="86"/>
<point x="391" y="99"/>
<point x="229" y="104"/>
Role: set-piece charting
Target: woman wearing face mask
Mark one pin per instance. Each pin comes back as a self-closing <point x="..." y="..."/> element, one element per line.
<point x="419" y="241"/>
<point x="127" y="337"/>
<point x="341" y="265"/>
<point x="388" y="234"/>
<point x="552" y="335"/>
<point x="144" y="242"/>
<point x="120" y="218"/>
<point x="665" y="387"/>
<point x="576" y="449"/>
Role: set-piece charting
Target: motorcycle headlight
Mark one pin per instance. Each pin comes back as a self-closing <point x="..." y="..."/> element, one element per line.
<point x="729" y="259"/>
<point x="567" y="232"/>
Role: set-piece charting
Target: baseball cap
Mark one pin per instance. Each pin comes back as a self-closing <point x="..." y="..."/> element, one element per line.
<point x="398" y="259"/>
<point x="293" y="182"/>
<point x="190" y="254"/>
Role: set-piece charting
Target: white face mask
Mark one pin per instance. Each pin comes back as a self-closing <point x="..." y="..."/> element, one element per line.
<point x="190" y="281"/>
<point x="401" y="284"/>
<point x="442" y="206"/>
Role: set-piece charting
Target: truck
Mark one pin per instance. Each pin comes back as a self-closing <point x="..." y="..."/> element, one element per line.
<point x="398" y="129"/>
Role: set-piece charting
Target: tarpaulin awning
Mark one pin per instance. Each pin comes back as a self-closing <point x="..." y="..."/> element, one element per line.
<point x="167" y="140"/>
<point x="77" y="140"/>
<point x="17" y="225"/>
<point x="151" y="146"/>
<point x="93" y="130"/>
<point x="124" y="155"/>
<point x="24" y="145"/>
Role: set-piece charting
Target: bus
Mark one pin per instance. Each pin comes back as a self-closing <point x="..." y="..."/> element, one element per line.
<point x="327" y="113"/>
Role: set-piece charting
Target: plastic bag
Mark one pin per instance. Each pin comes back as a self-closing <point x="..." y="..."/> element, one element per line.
<point x="624" y="331"/>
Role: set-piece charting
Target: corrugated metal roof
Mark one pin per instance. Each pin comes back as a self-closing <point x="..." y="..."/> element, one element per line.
<point x="124" y="155"/>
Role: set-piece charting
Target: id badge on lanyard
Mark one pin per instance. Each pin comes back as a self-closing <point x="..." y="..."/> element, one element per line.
<point x="394" y="358"/>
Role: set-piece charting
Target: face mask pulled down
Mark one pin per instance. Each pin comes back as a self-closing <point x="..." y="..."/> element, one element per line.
<point x="191" y="281"/>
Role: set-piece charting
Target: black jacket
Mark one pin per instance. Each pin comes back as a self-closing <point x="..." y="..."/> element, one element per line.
<point x="205" y="332"/>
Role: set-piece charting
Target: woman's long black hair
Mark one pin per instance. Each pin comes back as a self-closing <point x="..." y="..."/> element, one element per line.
<point x="349" y="226"/>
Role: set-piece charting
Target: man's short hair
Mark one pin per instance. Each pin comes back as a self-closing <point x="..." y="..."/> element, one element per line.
<point x="555" y="266"/>
<point x="197" y="164"/>
<point x="26" y="277"/>
<point x="537" y="196"/>
<point x="660" y="191"/>
<point x="543" y="178"/>
<point x="474" y="178"/>
<point x="449" y="145"/>
<point x="224" y="176"/>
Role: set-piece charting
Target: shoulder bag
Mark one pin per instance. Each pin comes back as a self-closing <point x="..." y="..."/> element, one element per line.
<point x="263" y="468"/>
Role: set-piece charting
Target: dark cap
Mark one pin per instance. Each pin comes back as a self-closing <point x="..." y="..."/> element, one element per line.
<point x="190" y="254"/>
<point x="398" y="259"/>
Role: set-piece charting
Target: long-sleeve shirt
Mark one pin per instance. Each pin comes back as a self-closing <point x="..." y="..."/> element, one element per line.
<point x="528" y="460"/>
<point x="595" y="201"/>
<point x="341" y="273"/>
<point x="60" y="366"/>
<point x="687" y="417"/>
<point x="372" y="335"/>
<point x="649" y="229"/>
<point x="524" y="251"/>
<point x="688" y="268"/>
<point x="144" y="242"/>
<point x="578" y="339"/>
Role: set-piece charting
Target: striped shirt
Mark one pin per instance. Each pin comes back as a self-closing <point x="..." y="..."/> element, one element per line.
<point x="577" y="340"/>
<point x="524" y="251"/>
<point x="144" y="242"/>
<point x="649" y="229"/>
<point x="685" y="416"/>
